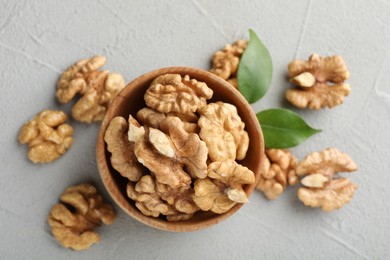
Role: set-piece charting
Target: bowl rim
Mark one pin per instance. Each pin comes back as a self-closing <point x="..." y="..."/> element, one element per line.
<point x="110" y="184"/>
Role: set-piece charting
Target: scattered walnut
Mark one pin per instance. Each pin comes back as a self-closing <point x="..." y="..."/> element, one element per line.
<point x="172" y="93"/>
<point x="122" y="158"/>
<point x="326" y="191"/>
<point x="225" y="62"/>
<point x="153" y="198"/>
<point x="167" y="170"/>
<point x="98" y="88"/>
<point x="81" y="211"/>
<point x="223" y="131"/>
<point x="47" y="136"/>
<point x="313" y="77"/>
<point x="278" y="171"/>
<point x="222" y="189"/>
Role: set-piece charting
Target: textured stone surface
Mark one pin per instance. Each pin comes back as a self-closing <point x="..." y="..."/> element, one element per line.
<point x="39" y="39"/>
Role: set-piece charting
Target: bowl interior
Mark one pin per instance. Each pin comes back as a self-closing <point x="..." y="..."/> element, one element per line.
<point x="130" y="100"/>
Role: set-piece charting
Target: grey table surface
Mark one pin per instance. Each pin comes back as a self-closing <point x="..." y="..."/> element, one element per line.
<point x="40" y="39"/>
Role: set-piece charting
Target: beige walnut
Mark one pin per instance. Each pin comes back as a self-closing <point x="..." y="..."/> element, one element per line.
<point x="225" y="62"/>
<point x="152" y="118"/>
<point x="122" y="157"/>
<point x="73" y="221"/>
<point x="173" y="93"/>
<point x="166" y="169"/>
<point x="278" y="171"/>
<point x="223" y="131"/>
<point x="320" y="82"/>
<point x="188" y="148"/>
<point x="98" y="88"/>
<point x="47" y="136"/>
<point x="223" y="187"/>
<point x="153" y="198"/>
<point x="323" y="188"/>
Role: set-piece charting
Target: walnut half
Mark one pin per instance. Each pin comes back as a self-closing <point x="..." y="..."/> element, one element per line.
<point x="313" y="78"/>
<point x="122" y="157"/>
<point x="97" y="88"/>
<point x="223" y="188"/>
<point x="322" y="188"/>
<point x="47" y="136"/>
<point x="153" y="198"/>
<point x="225" y="62"/>
<point x="82" y="209"/>
<point x="278" y="171"/>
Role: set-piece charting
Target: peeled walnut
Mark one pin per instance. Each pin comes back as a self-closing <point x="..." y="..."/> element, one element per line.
<point x="223" y="131"/>
<point x="153" y="198"/>
<point x="150" y="117"/>
<point x="223" y="188"/>
<point x="278" y="171"/>
<point x="314" y="79"/>
<point x="167" y="170"/>
<point x="225" y="62"/>
<point x="82" y="209"/>
<point x="179" y="198"/>
<point x="172" y="93"/>
<point x="98" y="88"/>
<point x="122" y="157"/>
<point x="323" y="189"/>
<point x="188" y="148"/>
<point x="47" y="136"/>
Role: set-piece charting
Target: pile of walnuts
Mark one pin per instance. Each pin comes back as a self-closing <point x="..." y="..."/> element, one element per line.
<point x="179" y="153"/>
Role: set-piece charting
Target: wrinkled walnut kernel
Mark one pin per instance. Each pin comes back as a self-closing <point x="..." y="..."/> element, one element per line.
<point x="153" y="198"/>
<point x="278" y="171"/>
<point x="223" y="187"/>
<point x="122" y="157"/>
<point x="188" y="148"/>
<point x="81" y="211"/>
<point x="223" y="131"/>
<point x="98" y="88"/>
<point x="47" y="136"/>
<point x="330" y="192"/>
<point x="225" y="62"/>
<point x="152" y="118"/>
<point x="167" y="170"/>
<point x="313" y="77"/>
<point x="172" y="93"/>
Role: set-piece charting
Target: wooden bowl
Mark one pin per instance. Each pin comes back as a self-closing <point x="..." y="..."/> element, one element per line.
<point x="130" y="100"/>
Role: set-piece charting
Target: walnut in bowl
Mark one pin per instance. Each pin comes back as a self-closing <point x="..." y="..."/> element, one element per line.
<point x="151" y="184"/>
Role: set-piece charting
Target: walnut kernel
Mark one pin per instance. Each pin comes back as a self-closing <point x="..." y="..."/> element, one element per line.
<point x="223" y="188"/>
<point x="329" y="192"/>
<point x="153" y="198"/>
<point x="47" y="136"/>
<point x="122" y="157"/>
<point x="225" y="62"/>
<point x="82" y="209"/>
<point x="278" y="171"/>
<point x="223" y="131"/>
<point x="172" y="93"/>
<point x="98" y="88"/>
<point x="313" y="77"/>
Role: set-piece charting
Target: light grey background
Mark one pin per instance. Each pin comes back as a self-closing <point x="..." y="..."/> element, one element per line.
<point x="40" y="39"/>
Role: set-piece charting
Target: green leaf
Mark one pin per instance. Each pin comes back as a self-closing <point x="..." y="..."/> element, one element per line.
<point x="283" y="128"/>
<point x="254" y="73"/>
